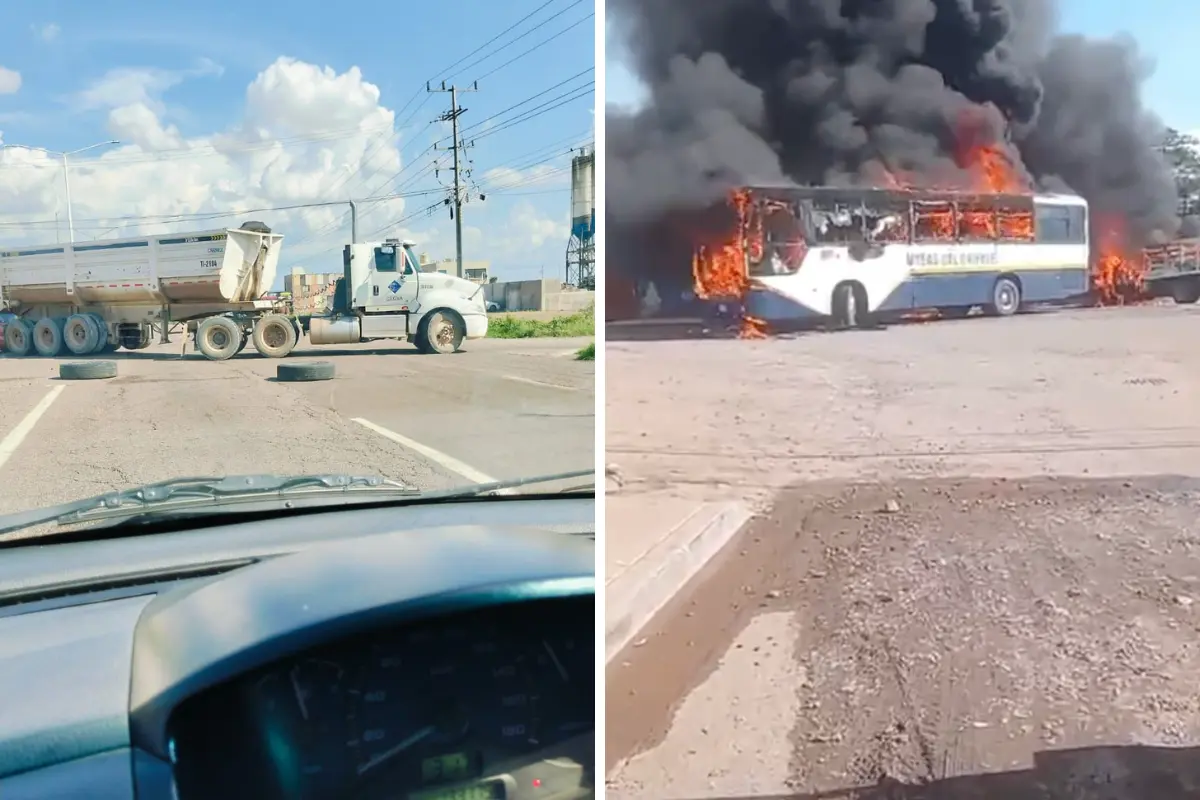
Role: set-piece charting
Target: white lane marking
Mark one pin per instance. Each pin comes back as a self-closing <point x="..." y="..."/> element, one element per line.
<point x="437" y="456"/>
<point x="10" y="443"/>
<point x="531" y="381"/>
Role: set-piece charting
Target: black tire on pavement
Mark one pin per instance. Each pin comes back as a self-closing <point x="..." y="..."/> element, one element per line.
<point x="307" y="371"/>
<point x="87" y="370"/>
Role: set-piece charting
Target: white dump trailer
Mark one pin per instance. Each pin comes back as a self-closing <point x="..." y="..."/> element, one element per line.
<point x="95" y="297"/>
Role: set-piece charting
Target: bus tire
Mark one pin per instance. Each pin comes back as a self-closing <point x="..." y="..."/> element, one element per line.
<point x="1185" y="292"/>
<point x="1006" y="298"/>
<point x="850" y="306"/>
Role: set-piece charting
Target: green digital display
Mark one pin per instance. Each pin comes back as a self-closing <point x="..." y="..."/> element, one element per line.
<point x="448" y="767"/>
<point x="492" y="790"/>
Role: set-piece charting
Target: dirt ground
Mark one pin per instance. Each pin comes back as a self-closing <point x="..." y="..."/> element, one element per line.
<point x="971" y="638"/>
<point x="968" y="627"/>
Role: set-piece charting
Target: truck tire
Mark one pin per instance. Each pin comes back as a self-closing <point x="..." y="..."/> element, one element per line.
<point x="274" y="336"/>
<point x="48" y="337"/>
<point x="443" y="331"/>
<point x="217" y="338"/>
<point x="1185" y="292"/>
<point x="87" y="370"/>
<point x="18" y="337"/>
<point x="81" y="334"/>
<point x="101" y="331"/>
<point x="308" y="371"/>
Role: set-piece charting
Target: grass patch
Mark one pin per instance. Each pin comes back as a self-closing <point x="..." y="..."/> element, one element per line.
<point x="582" y="323"/>
<point x="587" y="354"/>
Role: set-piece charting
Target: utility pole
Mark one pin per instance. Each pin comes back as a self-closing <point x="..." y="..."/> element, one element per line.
<point x="452" y="116"/>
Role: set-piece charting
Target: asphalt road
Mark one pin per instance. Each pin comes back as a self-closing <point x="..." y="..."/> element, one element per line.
<point x="500" y="409"/>
<point x="918" y="610"/>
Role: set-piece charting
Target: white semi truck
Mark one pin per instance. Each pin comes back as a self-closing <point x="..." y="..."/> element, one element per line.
<point x="95" y="297"/>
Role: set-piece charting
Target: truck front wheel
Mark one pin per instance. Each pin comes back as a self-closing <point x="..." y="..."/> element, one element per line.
<point x="441" y="332"/>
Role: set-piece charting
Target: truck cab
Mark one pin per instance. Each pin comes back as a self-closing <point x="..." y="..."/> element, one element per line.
<point x="383" y="294"/>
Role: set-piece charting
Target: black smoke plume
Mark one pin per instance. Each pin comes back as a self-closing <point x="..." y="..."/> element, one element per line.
<point x="835" y="92"/>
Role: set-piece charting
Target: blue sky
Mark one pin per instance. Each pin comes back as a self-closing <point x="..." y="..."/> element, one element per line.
<point x="1163" y="36"/>
<point x="167" y="78"/>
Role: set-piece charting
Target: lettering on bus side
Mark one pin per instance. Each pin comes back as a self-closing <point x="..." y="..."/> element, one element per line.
<point x="950" y="258"/>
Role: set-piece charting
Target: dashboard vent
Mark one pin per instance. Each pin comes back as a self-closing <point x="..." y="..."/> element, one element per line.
<point x="111" y="587"/>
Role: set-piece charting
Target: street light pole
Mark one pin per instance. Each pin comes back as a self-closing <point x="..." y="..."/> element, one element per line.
<point x="67" y="184"/>
<point x="66" y="174"/>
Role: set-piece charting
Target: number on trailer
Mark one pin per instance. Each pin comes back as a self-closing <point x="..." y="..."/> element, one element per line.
<point x="208" y="265"/>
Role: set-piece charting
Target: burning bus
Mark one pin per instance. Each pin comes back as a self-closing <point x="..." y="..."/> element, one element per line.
<point x="794" y="254"/>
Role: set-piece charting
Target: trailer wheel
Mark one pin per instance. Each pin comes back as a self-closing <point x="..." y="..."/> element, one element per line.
<point x="101" y="331"/>
<point x="444" y="332"/>
<point x="218" y="338"/>
<point x="48" y="337"/>
<point x="274" y="336"/>
<point x="81" y="334"/>
<point x="18" y="337"/>
<point x="87" y="370"/>
<point x="1185" y="293"/>
<point x="242" y="344"/>
<point x="307" y="371"/>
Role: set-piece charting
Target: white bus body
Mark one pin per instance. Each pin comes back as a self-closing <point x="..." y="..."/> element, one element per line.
<point x="885" y="257"/>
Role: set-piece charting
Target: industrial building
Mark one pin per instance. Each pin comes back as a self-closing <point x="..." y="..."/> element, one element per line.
<point x="310" y="293"/>
<point x="581" y="245"/>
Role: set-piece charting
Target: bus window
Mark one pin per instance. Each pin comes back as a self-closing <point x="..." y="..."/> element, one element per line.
<point x="784" y="245"/>
<point x="886" y="222"/>
<point x="933" y="222"/>
<point x="1054" y="225"/>
<point x="837" y="223"/>
<point x="976" y="221"/>
<point x="1078" y="224"/>
<point x="1014" y="224"/>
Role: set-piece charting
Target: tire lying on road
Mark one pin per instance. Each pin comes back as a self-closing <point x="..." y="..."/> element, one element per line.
<point x="310" y="371"/>
<point x="87" y="370"/>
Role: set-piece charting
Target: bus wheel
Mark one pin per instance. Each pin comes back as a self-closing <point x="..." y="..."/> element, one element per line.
<point x="850" y="306"/>
<point x="1006" y="298"/>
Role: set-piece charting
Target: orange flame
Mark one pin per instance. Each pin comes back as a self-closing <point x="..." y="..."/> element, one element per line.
<point x="1118" y="274"/>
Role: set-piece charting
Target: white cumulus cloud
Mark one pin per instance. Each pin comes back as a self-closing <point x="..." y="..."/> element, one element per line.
<point x="308" y="134"/>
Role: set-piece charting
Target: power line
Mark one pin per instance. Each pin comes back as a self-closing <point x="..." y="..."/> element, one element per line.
<point x="546" y="107"/>
<point x="531" y="98"/>
<point x="509" y="44"/>
<point x="536" y="47"/>
<point x="441" y="72"/>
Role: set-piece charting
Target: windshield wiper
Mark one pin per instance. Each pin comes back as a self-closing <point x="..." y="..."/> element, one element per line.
<point x="186" y="493"/>
<point x="207" y="493"/>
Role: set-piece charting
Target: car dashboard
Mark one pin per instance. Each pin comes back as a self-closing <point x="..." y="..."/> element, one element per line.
<point x="441" y="653"/>
<point x="496" y="703"/>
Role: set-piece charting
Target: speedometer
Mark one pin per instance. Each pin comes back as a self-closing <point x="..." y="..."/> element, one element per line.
<point x="443" y="705"/>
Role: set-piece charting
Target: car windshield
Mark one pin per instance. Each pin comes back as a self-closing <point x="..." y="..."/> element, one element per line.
<point x="315" y="273"/>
